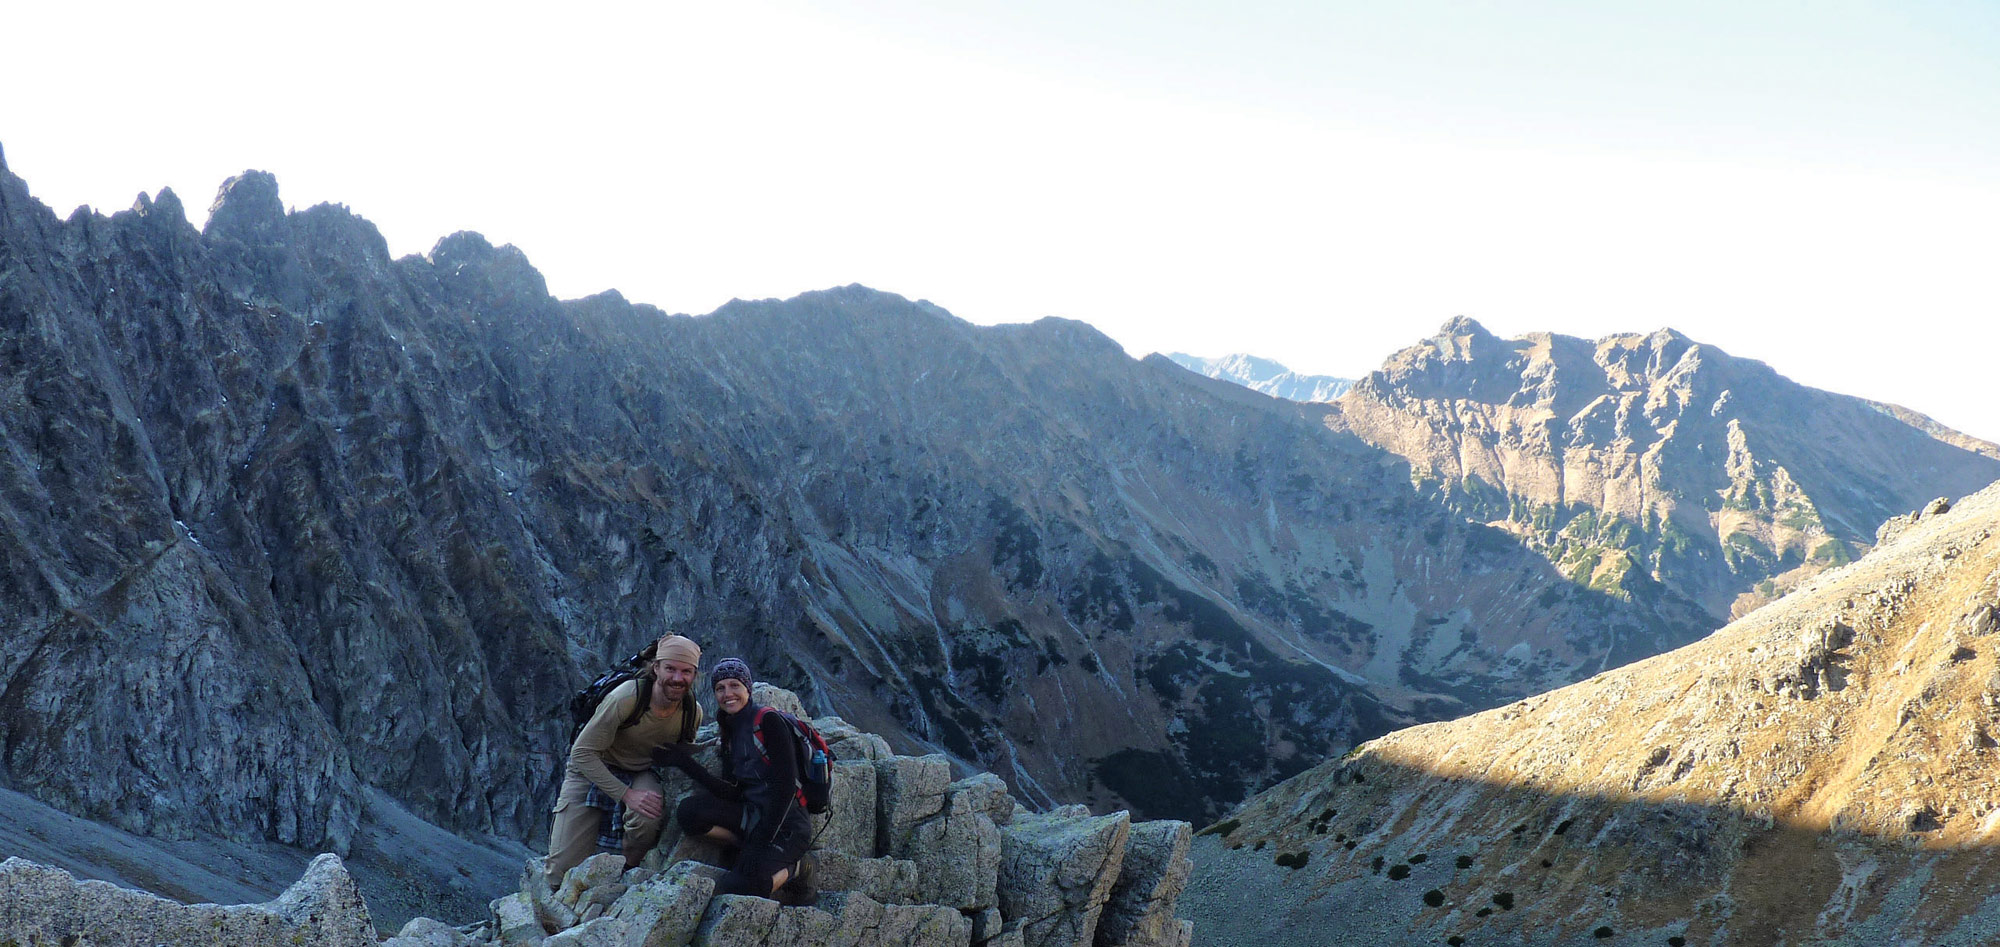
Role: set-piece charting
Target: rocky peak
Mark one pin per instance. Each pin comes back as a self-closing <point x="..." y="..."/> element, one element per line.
<point x="1075" y="333"/>
<point x="247" y="210"/>
<point x="1462" y="327"/>
<point x="460" y="249"/>
<point x="1699" y="478"/>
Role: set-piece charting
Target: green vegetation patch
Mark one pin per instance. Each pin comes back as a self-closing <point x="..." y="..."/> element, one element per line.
<point x="1224" y="827"/>
<point x="1833" y="551"/>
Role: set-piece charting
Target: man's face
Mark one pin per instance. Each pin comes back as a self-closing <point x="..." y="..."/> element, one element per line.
<point x="675" y="676"/>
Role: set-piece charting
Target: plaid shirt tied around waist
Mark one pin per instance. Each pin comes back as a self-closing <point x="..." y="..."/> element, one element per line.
<point x="610" y="826"/>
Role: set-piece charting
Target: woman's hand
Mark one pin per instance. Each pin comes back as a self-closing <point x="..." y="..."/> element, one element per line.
<point x="676" y="756"/>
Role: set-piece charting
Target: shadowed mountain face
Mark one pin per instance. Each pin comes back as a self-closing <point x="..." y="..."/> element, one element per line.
<point x="1654" y="466"/>
<point x="337" y="520"/>
<point x="1820" y="771"/>
<point x="282" y="518"/>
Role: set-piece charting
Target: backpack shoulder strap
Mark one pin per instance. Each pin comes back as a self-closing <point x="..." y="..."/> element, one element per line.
<point x="644" y="684"/>
<point x="757" y="728"/>
<point x="757" y="732"/>
<point x="690" y="716"/>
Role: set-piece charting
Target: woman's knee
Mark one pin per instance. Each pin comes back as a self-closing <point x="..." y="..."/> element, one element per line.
<point x="737" y="882"/>
<point x="690" y="817"/>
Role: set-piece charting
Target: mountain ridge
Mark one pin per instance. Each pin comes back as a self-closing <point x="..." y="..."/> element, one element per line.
<point x="351" y="523"/>
<point x="1818" y="771"/>
<point x="1264" y="376"/>
<point x="1689" y="461"/>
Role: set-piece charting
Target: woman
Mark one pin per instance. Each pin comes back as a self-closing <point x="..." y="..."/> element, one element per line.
<point x="755" y="806"/>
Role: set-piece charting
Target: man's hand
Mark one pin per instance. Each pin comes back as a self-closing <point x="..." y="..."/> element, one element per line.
<point x="644" y="801"/>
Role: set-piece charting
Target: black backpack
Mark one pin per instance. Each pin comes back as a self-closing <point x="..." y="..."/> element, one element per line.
<point x="638" y="667"/>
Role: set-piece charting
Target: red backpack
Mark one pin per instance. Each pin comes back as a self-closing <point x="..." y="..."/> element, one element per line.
<point x="813" y="758"/>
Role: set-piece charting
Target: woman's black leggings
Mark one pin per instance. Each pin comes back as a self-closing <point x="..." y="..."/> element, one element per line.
<point x="755" y="864"/>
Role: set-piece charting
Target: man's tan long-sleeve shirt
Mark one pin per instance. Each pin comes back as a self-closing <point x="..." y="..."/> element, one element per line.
<point x="601" y="742"/>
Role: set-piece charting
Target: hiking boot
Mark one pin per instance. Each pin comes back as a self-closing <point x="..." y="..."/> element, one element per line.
<point x="799" y="890"/>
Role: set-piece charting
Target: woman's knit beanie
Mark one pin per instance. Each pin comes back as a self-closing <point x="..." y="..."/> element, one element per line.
<point x="729" y="668"/>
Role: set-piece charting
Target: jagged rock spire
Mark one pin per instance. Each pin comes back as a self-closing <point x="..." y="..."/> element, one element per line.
<point x="247" y="208"/>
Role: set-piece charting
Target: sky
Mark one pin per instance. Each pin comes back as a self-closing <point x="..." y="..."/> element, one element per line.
<point x="1815" y="185"/>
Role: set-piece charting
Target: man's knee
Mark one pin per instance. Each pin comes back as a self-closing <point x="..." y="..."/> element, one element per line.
<point x="641" y="827"/>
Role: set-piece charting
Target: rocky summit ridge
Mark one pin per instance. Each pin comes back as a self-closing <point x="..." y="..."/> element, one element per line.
<point x="1821" y="771"/>
<point x="907" y="857"/>
<point x="1653" y="466"/>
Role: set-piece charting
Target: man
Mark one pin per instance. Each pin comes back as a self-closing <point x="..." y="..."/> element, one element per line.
<point x="610" y="797"/>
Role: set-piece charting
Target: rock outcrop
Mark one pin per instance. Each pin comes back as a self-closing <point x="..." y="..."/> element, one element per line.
<point x="1821" y="771"/>
<point x="961" y="867"/>
<point x="40" y="905"/>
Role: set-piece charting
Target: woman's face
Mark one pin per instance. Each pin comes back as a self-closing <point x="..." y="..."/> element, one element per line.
<point x="731" y="695"/>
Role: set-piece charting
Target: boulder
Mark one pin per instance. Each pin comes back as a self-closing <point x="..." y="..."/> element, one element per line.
<point x="737" y="920"/>
<point x="551" y="913"/>
<point x="1009" y="936"/>
<point x="601" y="932"/>
<point x="600" y="869"/>
<point x="778" y="698"/>
<point x="865" y="922"/>
<point x="665" y="911"/>
<point x="47" y="905"/>
<point x="425" y="932"/>
<point x="325" y="905"/>
<point x="1056" y="873"/>
<point x="908" y="790"/>
<point x="887" y="880"/>
<point x="986" y="925"/>
<point x="849" y="742"/>
<point x="958" y="852"/>
<point x="515" y="921"/>
<point x="986" y="793"/>
<point x="1140" y="912"/>
<point x="598" y="900"/>
<point x="850" y="827"/>
<point x="804" y="927"/>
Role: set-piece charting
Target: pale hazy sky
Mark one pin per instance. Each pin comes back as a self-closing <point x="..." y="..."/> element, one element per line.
<point x="1814" y="184"/>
